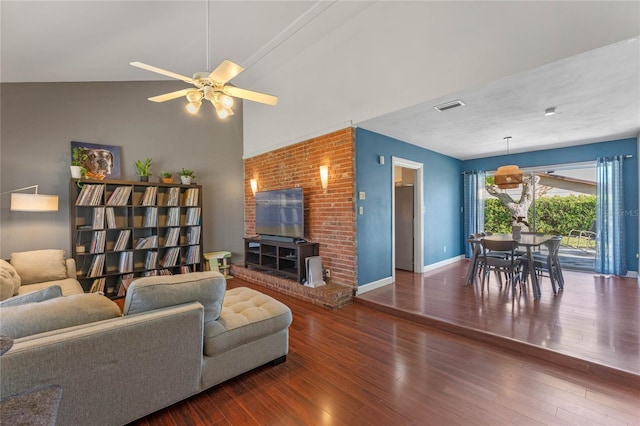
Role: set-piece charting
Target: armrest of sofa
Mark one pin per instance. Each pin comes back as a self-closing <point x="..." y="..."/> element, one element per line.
<point x="71" y="268"/>
<point x="112" y="371"/>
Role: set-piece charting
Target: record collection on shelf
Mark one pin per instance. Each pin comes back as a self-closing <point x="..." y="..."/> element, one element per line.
<point x="121" y="230"/>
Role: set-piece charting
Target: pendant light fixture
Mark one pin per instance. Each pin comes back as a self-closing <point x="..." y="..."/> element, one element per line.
<point x="509" y="176"/>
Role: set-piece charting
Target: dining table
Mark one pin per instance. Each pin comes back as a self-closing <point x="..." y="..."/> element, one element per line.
<point x="529" y="241"/>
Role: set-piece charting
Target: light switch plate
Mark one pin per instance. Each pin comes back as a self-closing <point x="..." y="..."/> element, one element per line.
<point x="361" y="195"/>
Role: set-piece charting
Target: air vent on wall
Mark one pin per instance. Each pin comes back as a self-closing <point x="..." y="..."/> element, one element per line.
<point x="449" y="105"/>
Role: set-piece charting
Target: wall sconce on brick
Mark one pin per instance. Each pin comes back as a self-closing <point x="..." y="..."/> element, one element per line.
<point x="324" y="176"/>
<point x="254" y="186"/>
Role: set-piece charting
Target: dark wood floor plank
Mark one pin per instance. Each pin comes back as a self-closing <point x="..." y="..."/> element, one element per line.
<point x="361" y="366"/>
<point x="595" y="318"/>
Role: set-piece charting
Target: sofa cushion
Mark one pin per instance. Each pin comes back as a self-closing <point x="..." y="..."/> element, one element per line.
<point x="148" y="293"/>
<point x="9" y="280"/>
<point x="61" y="312"/>
<point x="41" y="295"/>
<point x="39" y="265"/>
<point x="247" y="315"/>
<point x="68" y="286"/>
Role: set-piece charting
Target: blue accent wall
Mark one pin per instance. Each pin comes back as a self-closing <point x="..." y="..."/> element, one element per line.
<point x="442" y="201"/>
<point x="576" y="154"/>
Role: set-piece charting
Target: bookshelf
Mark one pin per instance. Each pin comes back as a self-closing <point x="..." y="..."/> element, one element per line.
<point x="121" y="229"/>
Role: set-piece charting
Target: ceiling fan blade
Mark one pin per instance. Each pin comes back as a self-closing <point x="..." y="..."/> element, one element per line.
<point x="250" y="95"/>
<point x="161" y="71"/>
<point x="169" y="96"/>
<point x="225" y="72"/>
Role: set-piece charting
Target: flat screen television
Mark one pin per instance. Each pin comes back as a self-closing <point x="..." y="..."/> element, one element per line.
<point x="280" y="213"/>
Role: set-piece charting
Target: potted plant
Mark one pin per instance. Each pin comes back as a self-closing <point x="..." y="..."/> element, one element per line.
<point x="166" y="177"/>
<point x="144" y="169"/>
<point x="78" y="157"/>
<point x="186" y="176"/>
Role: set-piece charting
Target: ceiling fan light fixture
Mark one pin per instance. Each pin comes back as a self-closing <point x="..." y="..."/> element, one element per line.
<point x="221" y="110"/>
<point x="226" y="100"/>
<point x="194" y="107"/>
<point x="194" y="96"/>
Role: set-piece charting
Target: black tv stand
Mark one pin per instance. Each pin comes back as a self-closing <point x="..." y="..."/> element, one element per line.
<point x="279" y="257"/>
<point x="277" y="238"/>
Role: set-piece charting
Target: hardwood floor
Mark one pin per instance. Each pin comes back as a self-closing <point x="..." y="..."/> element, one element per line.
<point x="360" y="366"/>
<point x="593" y="325"/>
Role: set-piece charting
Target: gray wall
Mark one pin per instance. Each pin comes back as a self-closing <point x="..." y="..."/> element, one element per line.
<point x="39" y="120"/>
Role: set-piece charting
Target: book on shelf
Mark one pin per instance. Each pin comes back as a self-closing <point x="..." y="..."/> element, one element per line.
<point x="90" y="195"/>
<point x="123" y="239"/>
<point x="151" y="260"/>
<point x="193" y="216"/>
<point x="147" y="242"/>
<point x="193" y="235"/>
<point x="98" y="285"/>
<point x="191" y="197"/>
<point x="193" y="255"/>
<point x="185" y="269"/>
<point x="126" y="262"/>
<point x="119" y="196"/>
<point x="173" y="217"/>
<point x="97" y="266"/>
<point x="174" y="196"/>
<point x="149" y="196"/>
<point x="125" y="281"/>
<point x="111" y="217"/>
<point x="98" y="218"/>
<point x="170" y="257"/>
<point x="98" y="241"/>
<point x="150" y="217"/>
<point x="171" y="237"/>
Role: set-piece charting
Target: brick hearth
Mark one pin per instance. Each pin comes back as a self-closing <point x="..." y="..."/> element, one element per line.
<point x="330" y="296"/>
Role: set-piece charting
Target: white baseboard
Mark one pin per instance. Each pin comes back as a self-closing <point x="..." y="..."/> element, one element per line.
<point x="443" y="263"/>
<point x="373" y="285"/>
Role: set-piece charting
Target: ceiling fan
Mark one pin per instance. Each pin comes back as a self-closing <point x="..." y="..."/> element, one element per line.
<point x="212" y="87"/>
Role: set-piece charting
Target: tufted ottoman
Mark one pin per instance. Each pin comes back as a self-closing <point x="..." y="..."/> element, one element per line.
<point x="247" y="315"/>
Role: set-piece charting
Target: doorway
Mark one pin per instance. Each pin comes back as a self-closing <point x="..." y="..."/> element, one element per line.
<point x="407" y="212"/>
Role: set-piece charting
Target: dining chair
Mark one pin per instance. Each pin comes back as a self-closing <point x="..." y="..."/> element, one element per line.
<point x="508" y="263"/>
<point x="549" y="264"/>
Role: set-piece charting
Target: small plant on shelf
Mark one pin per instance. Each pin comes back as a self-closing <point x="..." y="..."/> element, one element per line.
<point x="78" y="158"/>
<point x="144" y="169"/>
<point x="186" y="176"/>
<point x="166" y="177"/>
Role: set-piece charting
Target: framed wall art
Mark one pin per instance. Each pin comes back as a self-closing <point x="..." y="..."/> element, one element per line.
<point x="100" y="161"/>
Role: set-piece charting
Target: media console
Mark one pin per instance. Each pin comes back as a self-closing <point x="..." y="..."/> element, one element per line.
<point x="285" y="258"/>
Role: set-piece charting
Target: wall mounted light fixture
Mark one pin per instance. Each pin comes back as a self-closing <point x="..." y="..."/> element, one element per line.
<point x="32" y="202"/>
<point x="254" y="186"/>
<point x="324" y="176"/>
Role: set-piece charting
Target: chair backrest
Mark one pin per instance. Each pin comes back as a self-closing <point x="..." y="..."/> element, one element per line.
<point x="499" y="245"/>
<point x="553" y="245"/>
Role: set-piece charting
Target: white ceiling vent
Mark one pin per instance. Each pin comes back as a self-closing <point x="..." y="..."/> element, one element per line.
<point x="449" y="105"/>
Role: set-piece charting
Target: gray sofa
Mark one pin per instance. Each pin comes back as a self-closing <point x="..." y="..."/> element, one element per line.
<point x="30" y="271"/>
<point x="178" y="335"/>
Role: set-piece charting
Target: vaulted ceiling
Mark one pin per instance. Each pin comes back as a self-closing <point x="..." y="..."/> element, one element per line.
<point x="596" y="92"/>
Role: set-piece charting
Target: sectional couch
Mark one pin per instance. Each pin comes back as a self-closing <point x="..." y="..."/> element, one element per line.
<point x="177" y="336"/>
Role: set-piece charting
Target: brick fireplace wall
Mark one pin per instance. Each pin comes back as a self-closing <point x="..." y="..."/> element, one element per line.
<point x="330" y="218"/>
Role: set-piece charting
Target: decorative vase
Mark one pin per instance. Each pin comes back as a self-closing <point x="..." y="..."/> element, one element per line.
<point x="76" y="172"/>
<point x="186" y="180"/>
<point x="144" y="178"/>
